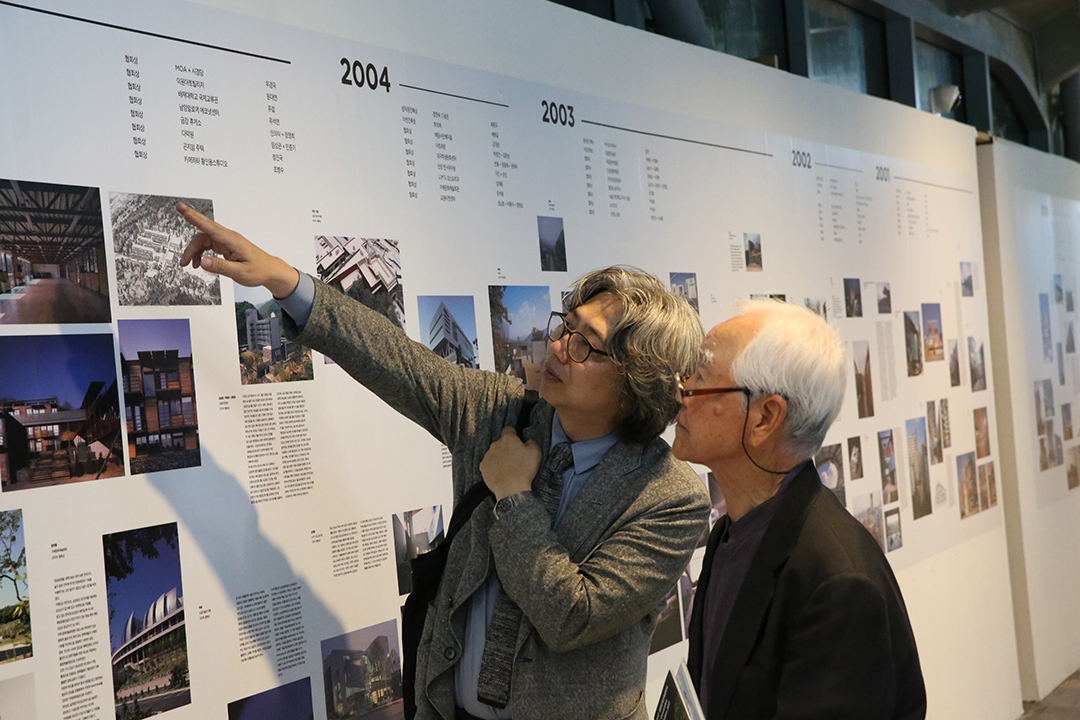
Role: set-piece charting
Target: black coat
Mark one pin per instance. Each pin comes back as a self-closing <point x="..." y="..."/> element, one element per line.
<point x="818" y="629"/>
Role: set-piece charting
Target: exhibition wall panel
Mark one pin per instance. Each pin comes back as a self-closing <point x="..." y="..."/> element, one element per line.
<point x="1031" y="224"/>
<point x="215" y="518"/>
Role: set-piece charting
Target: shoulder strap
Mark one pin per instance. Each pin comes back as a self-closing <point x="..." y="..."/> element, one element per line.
<point x="478" y="492"/>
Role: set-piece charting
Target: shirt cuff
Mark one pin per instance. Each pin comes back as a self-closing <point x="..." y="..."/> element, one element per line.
<point x="299" y="303"/>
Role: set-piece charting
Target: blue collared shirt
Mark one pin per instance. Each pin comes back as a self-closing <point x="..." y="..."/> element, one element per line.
<point x="587" y="455"/>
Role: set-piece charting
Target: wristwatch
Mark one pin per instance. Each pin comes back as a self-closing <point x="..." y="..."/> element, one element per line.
<point x="511" y="501"/>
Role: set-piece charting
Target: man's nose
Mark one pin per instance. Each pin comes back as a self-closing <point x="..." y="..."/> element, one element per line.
<point x="558" y="349"/>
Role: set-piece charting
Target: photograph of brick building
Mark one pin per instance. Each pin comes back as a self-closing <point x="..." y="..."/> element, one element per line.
<point x="159" y="395"/>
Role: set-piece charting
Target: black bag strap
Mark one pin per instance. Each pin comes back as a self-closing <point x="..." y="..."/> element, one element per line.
<point x="478" y="492"/>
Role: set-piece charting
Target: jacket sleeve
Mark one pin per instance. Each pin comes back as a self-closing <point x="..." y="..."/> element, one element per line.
<point x="573" y="604"/>
<point x="451" y="402"/>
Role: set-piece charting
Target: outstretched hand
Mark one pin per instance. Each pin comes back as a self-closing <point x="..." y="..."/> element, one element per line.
<point x="510" y="465"/>
<point x="239" y="258"/>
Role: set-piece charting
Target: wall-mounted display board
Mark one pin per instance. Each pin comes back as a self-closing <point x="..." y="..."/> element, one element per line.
<point x="1031" y="221"/>
<point x="216" y="521"/>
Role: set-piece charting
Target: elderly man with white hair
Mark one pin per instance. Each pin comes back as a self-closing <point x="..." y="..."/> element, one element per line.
<point x="797" y="612"/>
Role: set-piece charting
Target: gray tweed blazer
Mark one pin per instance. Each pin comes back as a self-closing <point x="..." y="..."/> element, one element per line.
<point x="590" y="589"/>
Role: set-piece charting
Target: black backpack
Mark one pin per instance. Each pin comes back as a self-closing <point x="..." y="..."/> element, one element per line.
<point x="427" y="570"/>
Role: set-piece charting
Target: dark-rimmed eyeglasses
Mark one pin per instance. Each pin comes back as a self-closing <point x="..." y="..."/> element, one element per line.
<point x="682" y="392"/>
<point x="578" y="346"/>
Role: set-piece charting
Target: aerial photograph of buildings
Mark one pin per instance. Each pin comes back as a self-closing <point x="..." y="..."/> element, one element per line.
<point x="366" y="269"/>
<point x="159" y="395"/>
<point x="362" y="674"/>
<point x="265" y="355"/>
<point x="59" y="410"/>
<point x="148" y="238"/>
<point x="147" y="634"/>
<point x="16" y="641"/>
<point x="448" y="327"/>
<point x="52" y="254"/>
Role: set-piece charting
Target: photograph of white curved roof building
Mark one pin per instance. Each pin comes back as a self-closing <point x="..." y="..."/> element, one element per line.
<point x="148" y="638"/>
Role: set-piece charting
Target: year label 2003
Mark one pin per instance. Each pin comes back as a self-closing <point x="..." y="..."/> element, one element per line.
<point x="558" y="114"/>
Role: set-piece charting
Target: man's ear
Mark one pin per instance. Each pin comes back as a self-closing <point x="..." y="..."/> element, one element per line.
<point x="766" y="419"/>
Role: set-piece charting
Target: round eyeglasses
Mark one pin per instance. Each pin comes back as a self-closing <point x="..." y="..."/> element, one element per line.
<point x="578" y="346"/>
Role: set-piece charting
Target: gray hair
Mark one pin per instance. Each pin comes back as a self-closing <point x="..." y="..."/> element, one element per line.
<point x="657" y="336"/>
<point x="798" y="355"/>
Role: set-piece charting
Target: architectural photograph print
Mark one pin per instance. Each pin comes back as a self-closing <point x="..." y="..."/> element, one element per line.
<point x="16" y="641"/>
<point x="968" y="484"/>
<point x="946" y="428"/>
<point x="922" y="500"/>
<point x="448" y="324"/>
<point x="933" y="434"/>
<point x="1072" y="473"/>
<point x="361" y="673"/>
<point x="989" y="484"/>
<point x="894" y="539"/>
<point x="1044" y="325"/>
<point x="519" y="320"/>
<point x="855" y="458"/>
<point x="933" y="342"/>
<point x="954" y="363"/>
<point x="982" y="432"/>
<point x="867" y="510"/>
<point x="159" y="395"/>
<point x="818" y="306"/>
<point x="890" y="492"/>
<point x="147" y="632"/>
<point x="752" y="251"/>
<point x="52" y="254"/>
<point x="148" y="239"/>
<point x="265" y="355"/>
<point x="18" y="698"/>
<point x="967" y="280"/>
<point x="852" y="297"/>
<point x="365" y="269"/>
<point x="552" y="244"/>
<point x="685" y="286"/>
<point x="59" y="410"/>
<point x="913" y="343"/>
<point x="977" y="361"/>
<point x="415" y="532"/>
<point x="884" y="299"/>
<point x="285" y="702"/>
<point x="830" y="466"/>
<point x="864" y="383"/>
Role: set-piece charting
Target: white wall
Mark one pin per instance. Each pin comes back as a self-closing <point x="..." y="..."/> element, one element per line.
<point x="1030" y="228"/>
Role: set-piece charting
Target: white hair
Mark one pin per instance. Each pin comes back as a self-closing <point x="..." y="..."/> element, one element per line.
<point x="799" y="356"/>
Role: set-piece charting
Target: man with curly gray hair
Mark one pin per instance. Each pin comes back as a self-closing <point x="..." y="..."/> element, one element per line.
<point x="552" y="589"/>
<point x="797" y="613"/>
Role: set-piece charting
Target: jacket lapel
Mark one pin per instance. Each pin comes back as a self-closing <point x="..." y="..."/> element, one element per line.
<point x="607" y="493"/>
<point x="756" y="594"/>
